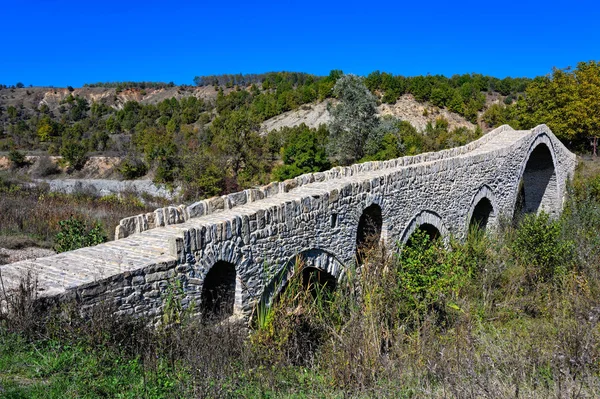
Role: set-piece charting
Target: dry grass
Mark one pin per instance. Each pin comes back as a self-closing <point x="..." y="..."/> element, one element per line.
<point x="30" y="216"/>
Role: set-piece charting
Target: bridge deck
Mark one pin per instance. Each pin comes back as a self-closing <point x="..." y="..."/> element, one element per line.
<point x="61" y="272"/>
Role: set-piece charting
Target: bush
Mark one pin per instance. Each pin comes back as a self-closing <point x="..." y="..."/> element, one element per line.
<point x="430" y="277"/>
<point x="541" y="248"/>
<point x="74" y="234"/>
<point x="132" y="168"/>
<point x="17" y="159"/>
<point x="45" y="167"/>
<point x="75" y="154"/>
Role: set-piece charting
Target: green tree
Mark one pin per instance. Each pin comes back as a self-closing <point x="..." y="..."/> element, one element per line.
<point x="237" y="139"/>
<point x="354" y="119"/>
<point x="304" y="153"/>
<point x="75" y="153"/>
<point x="385" y="142"/>
<point x="47" y="129"/>
<point x="568" y="101"/>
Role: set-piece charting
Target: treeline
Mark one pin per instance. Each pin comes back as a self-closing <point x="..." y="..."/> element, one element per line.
<point x="462" y="94"/>
<point x="215" y="146"/>
<point x="131" y="85"/>
<point x="231" y="80"/>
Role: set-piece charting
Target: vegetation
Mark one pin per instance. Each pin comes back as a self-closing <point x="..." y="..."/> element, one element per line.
<point x="513" y="314"/>
<point x="174" y="139"/>
<point x="354" y="120"/>
<point x="462" y="94"/>
<point x="75" y="234"/>
<point x="567" y="101"/>
<point x="37" y="217"/>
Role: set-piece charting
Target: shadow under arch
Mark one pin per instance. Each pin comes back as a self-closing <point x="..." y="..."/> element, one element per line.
<point x="368" y="232"/>
<point x="218" y="291"/>
<point x="318" y="266"/>
<point x="483" y="210"/>
<point x="429" y="222"/>
<point x="538" y="189"/>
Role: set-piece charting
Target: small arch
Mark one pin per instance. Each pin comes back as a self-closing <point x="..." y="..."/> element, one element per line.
<point x="432" y="232"/>
<point x="429" y="222"/>
<point x="317" y="264"/>
<point x="538" y="190"/>
<point x="368" y="233"/>
<point x="218" y="291"/>
<point x="482" y="213"/>
<point x="313" y="277"/>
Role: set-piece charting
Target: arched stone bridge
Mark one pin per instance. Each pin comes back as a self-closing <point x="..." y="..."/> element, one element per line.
<point x="242" y="245"/>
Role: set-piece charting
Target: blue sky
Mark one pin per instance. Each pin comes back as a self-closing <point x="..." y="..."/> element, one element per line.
<point x="60" y="42"/>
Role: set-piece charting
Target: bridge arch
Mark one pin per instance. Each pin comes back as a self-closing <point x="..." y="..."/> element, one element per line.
<point x="222" y="290"/>
<point x="483" y="210"/>
<point x="538" y="189"/>
<point x="368" y="230"/>
<point x="429" y="221"/>
<point x="330" y="268"/>
<point x="218" y="291"/>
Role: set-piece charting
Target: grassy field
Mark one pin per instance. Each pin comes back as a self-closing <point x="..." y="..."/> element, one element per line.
<point x="513" y="314"/>
<point x="31" y="216"/>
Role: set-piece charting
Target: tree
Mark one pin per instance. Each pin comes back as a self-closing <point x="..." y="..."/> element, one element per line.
<point x="237" y="139"/>
<point x="354" y="119"/>
<point x="385" y="142"/>
<point x="19" y="85"/>
<point x="304" y="152"/>
<point x="74" y="153"/>
<point x="568" y="101"/>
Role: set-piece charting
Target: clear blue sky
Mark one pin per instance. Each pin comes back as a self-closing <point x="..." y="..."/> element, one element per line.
<point x="60" y="42"/>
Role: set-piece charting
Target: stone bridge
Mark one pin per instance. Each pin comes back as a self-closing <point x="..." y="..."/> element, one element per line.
<point x="228" y="252"/>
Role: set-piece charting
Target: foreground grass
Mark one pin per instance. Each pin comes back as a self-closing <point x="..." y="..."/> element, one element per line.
<point x="510" y="315"/>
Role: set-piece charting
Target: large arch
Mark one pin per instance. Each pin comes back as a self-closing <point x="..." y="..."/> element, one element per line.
<point x="483" y="210"/>
<point x="218" y="291"/>
<point x="428" y="221"/>
<point x="538" y="188"/>
<point x="368" y="232"/>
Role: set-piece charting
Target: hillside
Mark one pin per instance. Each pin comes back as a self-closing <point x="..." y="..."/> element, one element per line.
<point x="34" y="97"/>
<point x="406" y="108"/>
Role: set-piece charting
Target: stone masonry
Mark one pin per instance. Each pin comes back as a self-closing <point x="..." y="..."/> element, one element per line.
<point x="261" y="231"/>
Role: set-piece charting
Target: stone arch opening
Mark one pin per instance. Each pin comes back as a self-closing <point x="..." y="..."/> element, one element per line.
<point x="427" y="228"/>
<point x="538" y="189"/>
<point x="430" y="223"/>
<point x="368" y="234"/>
<point x="481" y="214"/>
<point x="315" y="266"/>
<point x="218" y="291"/>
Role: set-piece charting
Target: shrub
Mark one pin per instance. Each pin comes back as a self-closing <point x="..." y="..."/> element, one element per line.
<point x="74" y="234"/>
<point x="17" y="158"/>
<point x="430" y="277"/>
<point x="132" y="168"/>
<point x="74" y="153"/>
<point x="45" y="167"/>
<point x="541" y="248"/>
